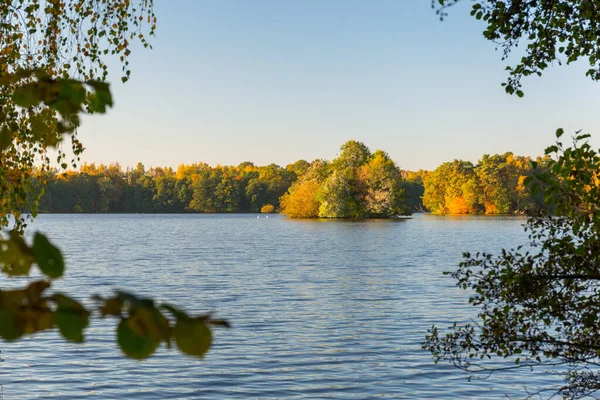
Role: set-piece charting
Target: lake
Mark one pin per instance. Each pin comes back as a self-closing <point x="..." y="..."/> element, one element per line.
<point x="319" y="309"/>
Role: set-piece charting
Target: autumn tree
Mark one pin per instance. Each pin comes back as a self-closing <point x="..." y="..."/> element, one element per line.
<point x="267" y="209"/>
<point x="494" y="186"/>
<point x="301" y="201"/>
<point x="452" y="189"/>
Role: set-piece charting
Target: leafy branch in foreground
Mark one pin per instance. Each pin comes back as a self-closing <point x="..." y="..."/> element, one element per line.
<point x="52" y="70"/>
<point x="142" y="323"/>
<point x="560" y="31"/>
<point x="51" y="54"/>
<point x="539" y="306"/>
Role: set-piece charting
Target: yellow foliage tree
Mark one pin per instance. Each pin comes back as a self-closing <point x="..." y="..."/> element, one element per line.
<point x="457" y="205"/>
<point x="490" y="208"/>
<point x="301" y="201"/>
<point x="267" y="209"/>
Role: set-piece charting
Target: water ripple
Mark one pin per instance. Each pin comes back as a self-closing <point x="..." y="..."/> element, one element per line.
<point x="320" y="310"/>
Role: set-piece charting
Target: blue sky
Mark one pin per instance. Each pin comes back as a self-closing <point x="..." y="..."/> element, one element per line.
<point x="276" y="81"/>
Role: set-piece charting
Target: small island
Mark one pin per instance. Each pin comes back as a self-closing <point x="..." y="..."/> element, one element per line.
<point x="357" y="184"/>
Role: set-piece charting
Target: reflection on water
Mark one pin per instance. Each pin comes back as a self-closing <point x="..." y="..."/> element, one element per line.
<point x="320" y="309"/>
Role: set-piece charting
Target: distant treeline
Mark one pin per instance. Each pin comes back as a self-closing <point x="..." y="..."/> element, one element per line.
<point x="192" y="188"/>
<point x="357" y="184"/>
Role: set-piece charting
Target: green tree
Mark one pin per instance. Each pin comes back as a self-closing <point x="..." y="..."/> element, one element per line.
<point x="353" y="154"/>
<point x="336" y="197"/>
<point x="298" y="168"/>
<point x="384" y="195"/>
<point x="342" y="194"/>
<point x="412" y="184"/>
<point x="167" y="197"/>
<point x="357" y="184"/>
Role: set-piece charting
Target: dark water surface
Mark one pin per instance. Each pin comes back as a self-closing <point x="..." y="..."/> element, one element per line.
<point x="320" y="309"/>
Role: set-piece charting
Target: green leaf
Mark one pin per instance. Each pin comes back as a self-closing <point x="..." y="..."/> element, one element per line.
<point x="71" y="318"/>
<point x="74" y="92"/>
<point x="551" y="149"/>
<point x="559" y="132"/>
<point x="192" y="337"/>
<point x="6" y="138"/>
<point x="71" y="325"/>
<point x="132" y="344"/>
<point x="149" y="322"/>
<point x="8" y="326"/>
<point x="27" y="95"/>
<point x="47" y="256"/>
<point x="583" y="137"/>
<point x="101" y="98"/>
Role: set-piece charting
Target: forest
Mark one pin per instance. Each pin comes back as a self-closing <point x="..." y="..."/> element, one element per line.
<point x="494" y="186"/>
<point x="356" y="184"/>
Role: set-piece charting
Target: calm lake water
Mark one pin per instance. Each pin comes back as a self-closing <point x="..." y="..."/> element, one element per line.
<point x="320" y="309"/>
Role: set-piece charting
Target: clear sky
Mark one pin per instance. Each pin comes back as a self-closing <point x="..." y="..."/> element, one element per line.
<point x="276" y="81"/>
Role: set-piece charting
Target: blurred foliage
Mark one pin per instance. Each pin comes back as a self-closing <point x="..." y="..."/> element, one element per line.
<point x="52" y="68"/>
<point x="142" y="327"/>
<point x="52" y="71"/>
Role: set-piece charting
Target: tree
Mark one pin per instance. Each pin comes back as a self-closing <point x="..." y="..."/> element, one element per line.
<point x="301" y="200"/>
<point x="540" y="307"/>
<point x="493" y="186"/>
<point x="384" y="193"/>
<point x="343" y="194"/>
<point x="51" y="71"/>
<point x="557" y="31"/>
<point x="353" y="154"/>
<point x="412" y="183"/>
<point x="267" y="209"/>
<point x="43" y="46"/>
<point x="337" y="196"/>
<point x="299" y="167"/>
<point x="452" y="189"/>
